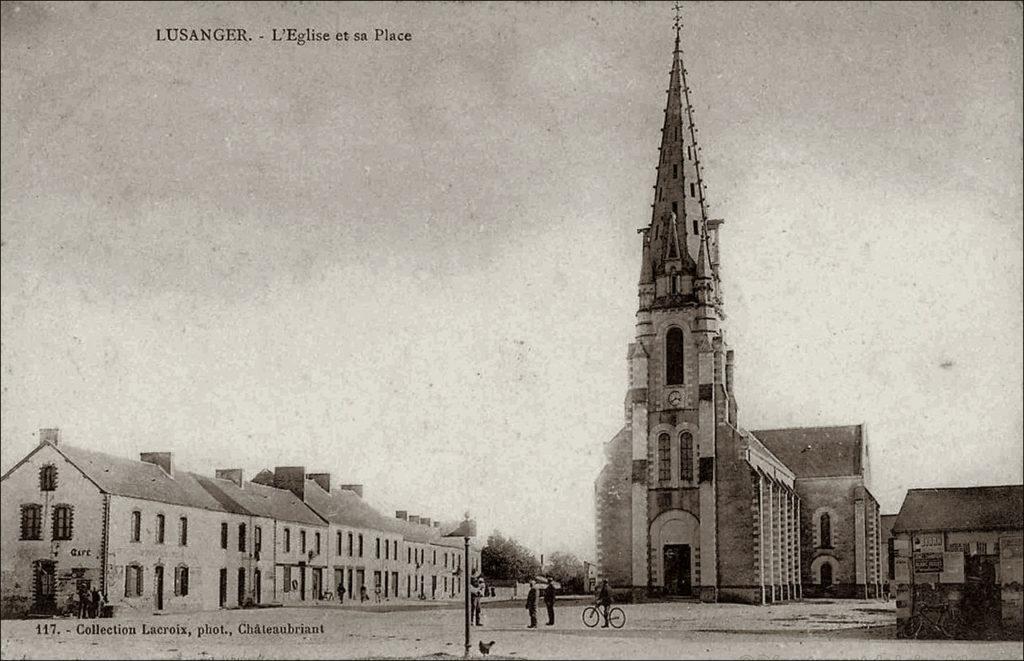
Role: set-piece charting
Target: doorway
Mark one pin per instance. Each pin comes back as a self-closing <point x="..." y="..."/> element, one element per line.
<point x="159" y="587"/>
<point x="677" y="569"/>
<point x="317" y="583"/>
<point x="241" y="586"/>
<point x="302" y="581"/>
<point x="257" y="584"/>
<point x="223" y="587"/>
<point x="45" y="580"/>
<point x="826" y="575"/>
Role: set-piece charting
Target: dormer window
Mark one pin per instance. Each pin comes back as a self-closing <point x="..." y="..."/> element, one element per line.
<point x="48" y="478"/>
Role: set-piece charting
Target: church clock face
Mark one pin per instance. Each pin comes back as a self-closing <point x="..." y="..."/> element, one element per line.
<point x="675" y="397"/>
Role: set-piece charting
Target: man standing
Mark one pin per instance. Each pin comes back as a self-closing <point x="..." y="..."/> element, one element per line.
<point x="341" y="592"/>
<point x="531" y="605"/>
<point x="604" y="600"/>
<point x="549" y="601"/>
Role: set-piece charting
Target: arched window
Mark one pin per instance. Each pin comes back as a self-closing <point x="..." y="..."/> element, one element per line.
<point x="136" y="530"/>
<point x="826" y="573"/>
<point x="664" y="458"/>
<point x="160" y="528"/>
<point x="674" y="356"/>
<point x="241" y="537"/>
<point x="825" y="532"/>
<point x="686" y="457"/>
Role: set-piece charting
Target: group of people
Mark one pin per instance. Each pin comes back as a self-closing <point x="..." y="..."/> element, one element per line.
<point x="549" y="603"/>
<point x="86" y="603"/>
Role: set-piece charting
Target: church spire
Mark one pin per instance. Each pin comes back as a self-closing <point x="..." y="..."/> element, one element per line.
<point x="679" y="211"/>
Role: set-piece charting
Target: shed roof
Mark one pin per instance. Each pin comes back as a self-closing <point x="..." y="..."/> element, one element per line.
<point x="962" y="508"/>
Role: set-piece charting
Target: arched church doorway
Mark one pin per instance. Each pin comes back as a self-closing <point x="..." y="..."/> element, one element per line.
<point x="826" y="575"/>
<point x="675" y="535"/>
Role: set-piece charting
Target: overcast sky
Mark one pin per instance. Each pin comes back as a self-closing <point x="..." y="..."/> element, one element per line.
<point x="414" y="264"/>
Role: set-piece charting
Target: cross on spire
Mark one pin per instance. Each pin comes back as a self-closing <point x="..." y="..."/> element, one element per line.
<point x="678" y="21"/>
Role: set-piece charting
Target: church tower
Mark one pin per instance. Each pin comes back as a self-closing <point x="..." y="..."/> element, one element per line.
<point x="675" y="363"/>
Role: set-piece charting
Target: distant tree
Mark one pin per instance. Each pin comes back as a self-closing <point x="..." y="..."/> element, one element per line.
<point x="567" y="569"/>
<point x="506" y="559"/>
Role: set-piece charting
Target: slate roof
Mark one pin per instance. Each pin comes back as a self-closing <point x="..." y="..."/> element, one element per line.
<point x="260" y="500"/>
<point x="138" y="479"/>
<point x="962" y="508"/>
<point x="817" y="451"/>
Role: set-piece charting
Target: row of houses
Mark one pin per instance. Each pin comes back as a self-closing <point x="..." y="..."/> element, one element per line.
<point x="155" y="538"/>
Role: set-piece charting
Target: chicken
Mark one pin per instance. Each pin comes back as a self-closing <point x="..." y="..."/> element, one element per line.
<point x="485" y="648"/>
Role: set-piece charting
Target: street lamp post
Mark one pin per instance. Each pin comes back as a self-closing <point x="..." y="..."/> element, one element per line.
<point x="465" y="530"/>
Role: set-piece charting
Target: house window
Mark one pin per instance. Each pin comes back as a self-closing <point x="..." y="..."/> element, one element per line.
<point x="350" y="538"/>
<point x="160" y="529"/>
<point x="241" y="537"/>
<point x="316" y="543"/>
<point x="224" y="535"/>
<point x="287" y="540"/>
<point x="302" y="541"/>
<point x="686" y="457"/>
<point x="287" y="576"/>
<point x="387" y="549"/>
<point x="136" y="526"/>
<point x="394" y="553"/>
<point x="377" y="552"/>
<point x="257" y="541"/>
<point x="360" y="545"/>
<point x="48" y="478"/>
<point x="825" y="532"/>
<point x="982" y="548"/>
<point x="133" y="581"/>
<point x="31" y="521"/>
<point x="408" y="555"/>
<point x="183" y="531"/>
<point x="674" y="356"/>
<point x="664" y="458"/>
<point x="433" y="560"/>
<point x="181" y="581"/>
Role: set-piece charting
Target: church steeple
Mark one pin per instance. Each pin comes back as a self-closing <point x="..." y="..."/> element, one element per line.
<point x="679" y="211"/>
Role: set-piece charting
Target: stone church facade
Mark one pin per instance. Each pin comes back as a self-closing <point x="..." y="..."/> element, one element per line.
<point x="689" y="503"/>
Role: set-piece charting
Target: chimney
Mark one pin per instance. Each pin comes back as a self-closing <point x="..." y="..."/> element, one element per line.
<point x="323" y="479"/>
<point x="51" y="436"/>
<point x="232" y="474"/>
<point x="292" y="478"/>
<point x="162" y="459"/>
<point x="414" y="518"/>
<point x="402" y="514"/>
<point x="425" y="521"/>
<point x="358" y="488"/>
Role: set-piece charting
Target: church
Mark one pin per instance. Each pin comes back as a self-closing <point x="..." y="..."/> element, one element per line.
<point x="689" y="503"/>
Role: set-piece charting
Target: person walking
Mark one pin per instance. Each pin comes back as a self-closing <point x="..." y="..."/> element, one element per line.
<point x="549" y="601"/>
<point x="531" y="605"/>
<point x="363" y="594"/>
<point x="341" y="592"/>
<point x="604" y="600"/>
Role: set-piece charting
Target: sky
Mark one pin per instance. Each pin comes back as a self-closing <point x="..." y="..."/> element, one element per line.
<point x="413" y="264"/>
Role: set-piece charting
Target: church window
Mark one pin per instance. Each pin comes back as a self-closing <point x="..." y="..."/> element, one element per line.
<point x="693" y="191"/>
<point x="825" y="531"/>
<point x="675" y="171"/>
<point x="696" y="228"/>
<point x="689" y="154"/>
<point x="664" y="458"/>
<point x="664" y="500"/>
<point x="674" y="356"/>
<point x="686" y="457"/>
<point x="675" y="207"/>
<point x="675" y="283"/>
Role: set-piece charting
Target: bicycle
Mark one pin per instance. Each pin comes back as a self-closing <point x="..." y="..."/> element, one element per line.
<point x="948" y="624"/>
<point x="592" y="617"/>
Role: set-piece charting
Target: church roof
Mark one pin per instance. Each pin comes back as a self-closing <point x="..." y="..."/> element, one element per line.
<point x="817" y="451"/>
<point x="962" y="508"/>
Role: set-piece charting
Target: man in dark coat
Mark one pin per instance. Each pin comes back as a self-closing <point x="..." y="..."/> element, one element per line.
<point x="549" y="601"/>
<point x="341" y="592"/>
<point x="531" y="605"/>
<point x="604" y="600"/>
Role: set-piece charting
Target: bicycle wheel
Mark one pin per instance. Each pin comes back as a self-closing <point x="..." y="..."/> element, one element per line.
<point x="591" y="617"/>
<point x="616" y="618"/>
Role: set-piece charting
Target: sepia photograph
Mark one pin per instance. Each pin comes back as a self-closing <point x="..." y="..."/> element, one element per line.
<point x="517" y="330"/>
